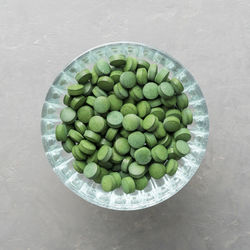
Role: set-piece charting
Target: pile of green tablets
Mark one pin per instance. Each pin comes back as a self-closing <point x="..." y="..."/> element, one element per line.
<point x="125" y="122"/>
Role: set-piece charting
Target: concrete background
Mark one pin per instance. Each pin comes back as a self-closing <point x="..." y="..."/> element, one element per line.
<point x="211" y="38"/>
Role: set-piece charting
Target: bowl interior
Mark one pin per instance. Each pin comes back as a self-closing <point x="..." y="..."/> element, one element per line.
<point x="157" y="190"/>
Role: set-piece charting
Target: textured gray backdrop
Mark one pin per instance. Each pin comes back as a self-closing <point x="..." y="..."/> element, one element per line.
<point x="211" y="38"/>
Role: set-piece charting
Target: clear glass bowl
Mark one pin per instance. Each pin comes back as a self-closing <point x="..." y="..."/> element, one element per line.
<point x="157" y="190"/>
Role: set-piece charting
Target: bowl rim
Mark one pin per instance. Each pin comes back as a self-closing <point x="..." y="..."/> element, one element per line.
<point x="206" y="139"/>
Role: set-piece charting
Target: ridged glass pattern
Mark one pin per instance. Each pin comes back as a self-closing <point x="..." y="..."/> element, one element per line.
<point x="157" y="190"/>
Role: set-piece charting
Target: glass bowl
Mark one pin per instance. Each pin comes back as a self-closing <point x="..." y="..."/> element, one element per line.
<point x="157" y="190"/>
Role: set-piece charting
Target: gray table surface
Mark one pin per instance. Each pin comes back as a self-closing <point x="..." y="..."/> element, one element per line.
<point x="211" y="38"/>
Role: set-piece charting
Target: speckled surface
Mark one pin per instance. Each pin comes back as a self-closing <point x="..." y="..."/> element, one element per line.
<point x="210" y="38"/>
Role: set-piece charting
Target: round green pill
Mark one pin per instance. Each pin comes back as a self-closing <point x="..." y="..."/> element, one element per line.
<point x="172" y="143"/>
<point x="166" y="140"/>
<point x="104" y="153"/>
<point x="171" y="102"/>
<point x="160" y="132"/>
<point x="115" y="119"/>
<point x="77" y="102"/>
<point x="141" y="183"/>
<point x="162" y="75"/>
<point x="151" y="140"/>
<point x="128" y="108"/>
<point x="142" y="156"/>
<point x="116" y="158"/>
<point x="171" y="124"/>
<point x="105" y="83"/>
<point x="111" y="134"/>
<point x="159" y="153"/>
<point x="87" y="147"/>
<point x="115" y="103"/>
<point x="91" y="170"/>
<point x="150" y="122"/>
<point x="102" y="67"/>
<point x="80" y="127"/>
<point x="136" y="139"/>
<point x="83" y="76"/>
<point x="157" y="170"/>
<point x="176" y="154"/>
<point x="166" y="90"/>
<point x="75" y="135"/>
<point x="67" y="99"/>
<point x="172" y="154"/>
<point x="129" y="64"/>
<point x="115" y="75"/>
<point x="143" y="64"/>
<point x="117" y="92"/>
<point x="141" y="76"/>
<point x="187" y="116"/>
<point x="152" y="71"/>
<point x="87" y="89"/>
<point x="118" y="179"/>
<point x="120" y="92"/>
<point x="182" y="134"/>
<point x="78" y="154"/>
<point x="171" y="167"/>
<point x="102" y="104"/>
<point x="125" y="163"/>
<point x="75" y="89"/>
<point x="150" y="90"/>
<point x="124" y="133"/>
<point x="85" y="113"/>
<point x="182" y="147"/>
<point x="121" y="146"/>
<point x="134" y="64"/>
<point x="155" y="103"/>
<point x="61" y="132"/>
<point x="97" y="124"/>
<point x="132" y="152"/>
<point x="136" y="93"/>
<point x="182" y="101"/>
<point x="136" y="171"/>
<point x="140" y="128"/>
<point x="177" y="85"/>
<point x="94" y="78"/>
<point x="98" y="92"/>
<point x="80" y="164"/>
<point x="159" y="113"/>
<point x="117" y="60"/>
<point x="108" y="183"/>
<point x="79" y="170"/>
<point x="68" y="145"/>
<point x="68" y="115"/>
<point x="131" y="122"/>
<point x="128" y="79"/>
<point x="92" y="136"/>
<point x="128" y="185"/>
<point x="90" y="100"/>
<point x="174" y="112"/>
<point x="143" y="108"/>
